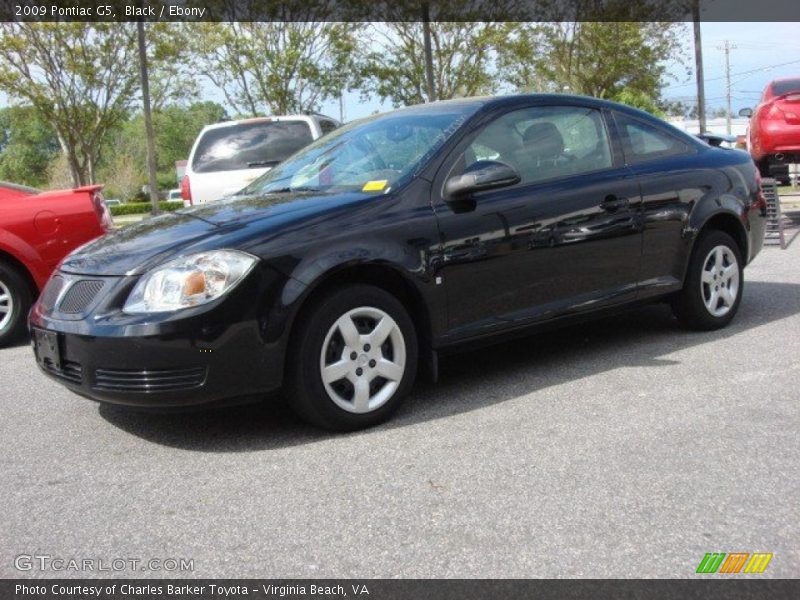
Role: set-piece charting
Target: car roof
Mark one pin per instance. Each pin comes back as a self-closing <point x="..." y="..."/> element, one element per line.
<point x="483" y="103"/>
<point x="489" y="102"/>
<point x="299" y="117"/>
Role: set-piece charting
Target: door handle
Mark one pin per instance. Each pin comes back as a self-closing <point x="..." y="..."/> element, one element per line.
<point x="612" y="203"/>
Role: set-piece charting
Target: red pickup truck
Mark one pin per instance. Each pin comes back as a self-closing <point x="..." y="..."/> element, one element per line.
<point x="37" y="230"/>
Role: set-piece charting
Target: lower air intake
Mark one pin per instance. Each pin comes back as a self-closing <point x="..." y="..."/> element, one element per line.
<point x="144" y="381"/>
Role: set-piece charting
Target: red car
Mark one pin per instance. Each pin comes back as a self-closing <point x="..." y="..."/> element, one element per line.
<point x="774" y="133"/>
<point x="37" y="230"/>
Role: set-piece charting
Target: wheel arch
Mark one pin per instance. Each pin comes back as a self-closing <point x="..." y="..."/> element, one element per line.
<point x="25" y="257"/>
<point x="385" y="276"/>
<point x="379" y="274"/>
<point x="728" y="222"/>
<point x="9" y="259"/>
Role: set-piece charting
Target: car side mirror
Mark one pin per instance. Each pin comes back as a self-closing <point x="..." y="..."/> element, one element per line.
<point x="746" y="112"/>
<point x="480" y="176"/>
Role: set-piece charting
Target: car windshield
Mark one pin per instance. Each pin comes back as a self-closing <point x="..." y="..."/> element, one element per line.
<point x="370" y="155"/>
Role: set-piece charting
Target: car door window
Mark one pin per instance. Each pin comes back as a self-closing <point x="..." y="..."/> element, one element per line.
<point x="642" y="142"/>
<point x="544" y="143"/>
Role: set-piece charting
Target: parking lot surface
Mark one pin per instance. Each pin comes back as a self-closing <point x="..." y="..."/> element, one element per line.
<point x="623" y="448"/>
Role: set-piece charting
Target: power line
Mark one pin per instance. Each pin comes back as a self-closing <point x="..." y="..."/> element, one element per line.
<point x="751" y="71"/>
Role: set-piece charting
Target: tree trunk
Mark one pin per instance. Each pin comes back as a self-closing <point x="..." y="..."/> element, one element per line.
<point x="426" y="40"/>
<point x="148" y="122"/>
<point x="72" y="160"/>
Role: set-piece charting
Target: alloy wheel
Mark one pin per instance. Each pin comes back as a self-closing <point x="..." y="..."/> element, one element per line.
<point x="719" y="281"/>
<point x="6" y="306"/>
<point x="363" y="359"/>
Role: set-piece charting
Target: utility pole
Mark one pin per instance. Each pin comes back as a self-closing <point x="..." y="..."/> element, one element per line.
<point x="426" y="40"/>
<point x="698" y="63"/>
<point x="148" y="120"/>
<point x="727" y="46"/>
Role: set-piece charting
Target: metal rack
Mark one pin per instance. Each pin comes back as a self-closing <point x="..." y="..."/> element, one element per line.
<point x="777" y="223"/>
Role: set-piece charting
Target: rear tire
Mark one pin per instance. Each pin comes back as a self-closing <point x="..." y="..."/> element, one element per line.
<point x="15" y="302"/>
<point x="714" y="283"/>
<point x="353" y="359"/>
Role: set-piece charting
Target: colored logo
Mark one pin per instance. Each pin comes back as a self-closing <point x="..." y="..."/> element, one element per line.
<point x="734" y="562"/>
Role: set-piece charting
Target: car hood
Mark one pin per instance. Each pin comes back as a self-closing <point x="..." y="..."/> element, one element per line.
<point x="228" y="223"/>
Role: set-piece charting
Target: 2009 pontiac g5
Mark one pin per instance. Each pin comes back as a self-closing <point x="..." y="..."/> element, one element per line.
<point x="360" y="258"/>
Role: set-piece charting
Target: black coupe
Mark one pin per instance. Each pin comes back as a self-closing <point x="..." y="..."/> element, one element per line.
<point x="356" y="262"/>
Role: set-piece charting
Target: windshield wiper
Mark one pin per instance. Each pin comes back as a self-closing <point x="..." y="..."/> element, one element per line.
<point x="263" y="163"/>
<point x="286" y="190"/>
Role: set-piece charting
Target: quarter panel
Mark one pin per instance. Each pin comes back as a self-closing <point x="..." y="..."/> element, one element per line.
<point x="678" y="196"/>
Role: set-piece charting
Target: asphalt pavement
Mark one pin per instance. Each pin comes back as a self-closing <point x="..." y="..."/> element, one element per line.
<point x="623" y="448"/>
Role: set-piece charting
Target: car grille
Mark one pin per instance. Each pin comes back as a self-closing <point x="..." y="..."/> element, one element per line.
<point x="71" y="371"/>
<point x="80" y="295"/>
<point x="163" y="380"/>
<point x="51" y="292"/>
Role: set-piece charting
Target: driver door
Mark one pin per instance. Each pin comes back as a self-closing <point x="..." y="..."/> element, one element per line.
<point x="567" y="238"/>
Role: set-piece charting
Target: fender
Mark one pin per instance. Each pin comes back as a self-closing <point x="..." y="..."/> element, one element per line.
<point x="708" y="208"/>
<point x="322" y="265"/>
<point x="26" y="255"/>
<point x="321" y="262"/>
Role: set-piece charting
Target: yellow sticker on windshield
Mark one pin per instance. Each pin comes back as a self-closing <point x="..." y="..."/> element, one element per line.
<point x="375" y="186"/>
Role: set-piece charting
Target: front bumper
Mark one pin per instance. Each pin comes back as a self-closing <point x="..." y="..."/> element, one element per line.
<point x="211" y="356"/>
<point x="162" y="372"/>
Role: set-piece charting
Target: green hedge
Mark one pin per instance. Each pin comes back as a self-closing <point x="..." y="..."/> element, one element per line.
<point x="140" y="208"/>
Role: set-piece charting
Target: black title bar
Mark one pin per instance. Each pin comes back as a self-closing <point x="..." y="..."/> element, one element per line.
<point x="396" y="10"/>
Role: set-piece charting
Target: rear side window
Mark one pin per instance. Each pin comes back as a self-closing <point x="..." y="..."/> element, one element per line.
<point x="642" y="142"/>
<point x="779" y="88"/>
<point x="249" y="145"/>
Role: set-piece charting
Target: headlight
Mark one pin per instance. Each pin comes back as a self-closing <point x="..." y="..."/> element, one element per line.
<point x="189" y="281"/>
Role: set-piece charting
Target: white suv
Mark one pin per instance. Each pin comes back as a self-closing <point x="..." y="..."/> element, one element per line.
<point x="228" y="156"/>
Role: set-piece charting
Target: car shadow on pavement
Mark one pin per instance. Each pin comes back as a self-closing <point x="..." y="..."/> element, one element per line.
<point x="472" y="380"/>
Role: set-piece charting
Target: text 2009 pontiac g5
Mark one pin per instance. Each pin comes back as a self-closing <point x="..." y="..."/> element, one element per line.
<point x="360" y="258"/>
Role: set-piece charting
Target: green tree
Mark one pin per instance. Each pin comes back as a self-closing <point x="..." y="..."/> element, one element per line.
<point x="82" y="79"/>
<point x="27" y="146"/>
<point x="79" y="77"/>
<point x="125" y="177"/>
<point x="624" y="61"/>
<point x="462" y="53"/>
<point x="176" y="128"/>
<point x="276" y="67"/>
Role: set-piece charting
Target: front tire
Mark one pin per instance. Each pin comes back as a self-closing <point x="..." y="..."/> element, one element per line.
<point x="15" y="302"/>
<point x="353" y="360"/>
<point x="714" y="283"/>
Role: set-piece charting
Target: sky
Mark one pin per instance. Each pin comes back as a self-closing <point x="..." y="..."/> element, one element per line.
<point x="764" y="51"/>
<point x="761" y="49"/>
